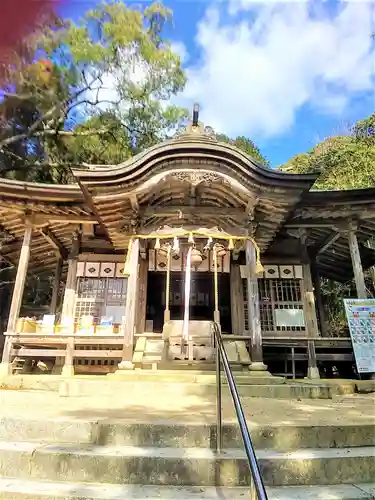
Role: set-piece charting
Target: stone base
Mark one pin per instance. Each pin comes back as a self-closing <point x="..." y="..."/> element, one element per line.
<point x="67" y="371"/>
<point x="5" y="370"/>
<point x="125" y="365"/>
<point x="259" y="369"/>
<point x="167" y="316"/>
<point x="313" y="372"/>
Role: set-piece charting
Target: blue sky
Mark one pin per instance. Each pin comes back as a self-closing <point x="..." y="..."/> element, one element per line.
<point x="285" y="74"/>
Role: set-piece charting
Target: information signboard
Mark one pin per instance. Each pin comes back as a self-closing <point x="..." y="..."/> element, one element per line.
<point x="361" y="319"/>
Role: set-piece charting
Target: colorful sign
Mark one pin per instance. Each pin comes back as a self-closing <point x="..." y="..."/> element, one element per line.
<point x="361" y="319"/>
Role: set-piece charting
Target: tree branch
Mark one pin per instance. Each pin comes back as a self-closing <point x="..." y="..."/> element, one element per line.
<point x="47" y="114"/>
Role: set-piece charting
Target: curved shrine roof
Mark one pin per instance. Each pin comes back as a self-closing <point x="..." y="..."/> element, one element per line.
<point x="189" y="180"/>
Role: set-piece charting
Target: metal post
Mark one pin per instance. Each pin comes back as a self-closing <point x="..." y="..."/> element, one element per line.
<point x="219" y="417"/>
<point x="253" y="491"/>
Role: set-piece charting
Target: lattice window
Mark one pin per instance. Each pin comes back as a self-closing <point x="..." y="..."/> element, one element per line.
<point x="276" y="295"/>
<point x="98" y="296"/>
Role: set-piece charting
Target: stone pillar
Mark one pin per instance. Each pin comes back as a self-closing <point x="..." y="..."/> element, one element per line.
<point x="256" y="353"/>
<point x="357" y="264"/>
<point x="56" y="285"/>
<point x="128" y="325"/>
<point x="18" y="290"/>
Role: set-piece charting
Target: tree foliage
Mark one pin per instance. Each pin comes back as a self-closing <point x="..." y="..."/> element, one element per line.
<point x="105" y="79"/>
<point x="246" y="145"/>
<point x="344" y="162"/>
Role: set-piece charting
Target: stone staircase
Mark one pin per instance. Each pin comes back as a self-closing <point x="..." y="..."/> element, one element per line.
<point x="85" y="459"/>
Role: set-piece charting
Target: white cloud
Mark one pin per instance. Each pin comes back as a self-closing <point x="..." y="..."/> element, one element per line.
<point x="260" y="62"/>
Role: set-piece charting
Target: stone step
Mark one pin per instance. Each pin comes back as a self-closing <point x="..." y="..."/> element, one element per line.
<point x="75" y="387"/>
<point x="183" y="466"/>
<point x="174" y="435"/>
<point x="13" y="489"/>
<point x="167" y="386"/>
<point x="197" y="374"/>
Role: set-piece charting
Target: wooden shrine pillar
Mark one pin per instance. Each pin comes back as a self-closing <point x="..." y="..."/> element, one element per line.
<point x="167" y="312"/>
<point x="256" y="351"/>
<point x="67" y="314"/>
<point x="18" y="290"/>
<point x="131" y="306"/>
<point x="311" y="321"/>
<point x="357" y="264"/>
<point x="56" y="285"/>
<point x="309" y="310"/>
<point x="216" y="289"/>
<point x="142" y="296"/>
<point x="236" y="300"/>
<point x="319" y="300"/>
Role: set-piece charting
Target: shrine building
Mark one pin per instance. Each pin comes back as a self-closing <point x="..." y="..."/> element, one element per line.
<point x="153" y="250"/>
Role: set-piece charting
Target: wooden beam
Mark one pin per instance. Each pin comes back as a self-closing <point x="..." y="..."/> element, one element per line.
<point x="314" y="223"/>
<point x="40" y="220"/>
<point x="54" y="242"/>
<point x="192" y="210"/>
<point x="134" y="202"/>
<point x="320" y="248"/>
<point x="38" y="353"/>
<point x="98" y="353"/>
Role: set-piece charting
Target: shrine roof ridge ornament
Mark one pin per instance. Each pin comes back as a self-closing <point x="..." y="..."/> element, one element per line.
<point x="195" y="128"/>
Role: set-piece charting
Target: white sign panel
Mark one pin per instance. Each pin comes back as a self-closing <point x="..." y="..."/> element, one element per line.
<point x="361" y="319"/>
<point x="289" y="318"/>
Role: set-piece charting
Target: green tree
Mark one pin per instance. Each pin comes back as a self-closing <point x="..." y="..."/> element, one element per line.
<point x="113" y="67"/>
<point x="246" y="145"/>
<point x="344" y="162"/>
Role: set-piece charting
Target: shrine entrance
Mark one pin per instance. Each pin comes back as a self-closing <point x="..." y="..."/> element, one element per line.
<point x="202" y="301"/>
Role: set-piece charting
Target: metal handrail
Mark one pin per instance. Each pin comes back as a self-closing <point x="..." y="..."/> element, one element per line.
<point x="257" y="489"/>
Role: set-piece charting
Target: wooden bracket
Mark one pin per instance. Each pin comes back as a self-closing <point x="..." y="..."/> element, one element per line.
<point x="54" y="242"/>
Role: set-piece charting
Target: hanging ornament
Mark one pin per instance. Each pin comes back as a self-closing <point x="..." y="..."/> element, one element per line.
<point x="231" y="244"/>
<point x="191" y="238"/>
<point x="259" y="269"/>
<point x="163" y="251"/>
<point x="157" y="244"/>
<point x="220" y="250"/>
<point x="196" y="257"/>
<point x="176" y="246"/>
<point x="208" y="244"/>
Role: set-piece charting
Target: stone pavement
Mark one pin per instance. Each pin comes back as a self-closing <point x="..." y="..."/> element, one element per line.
<point x="152" y="407"/>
